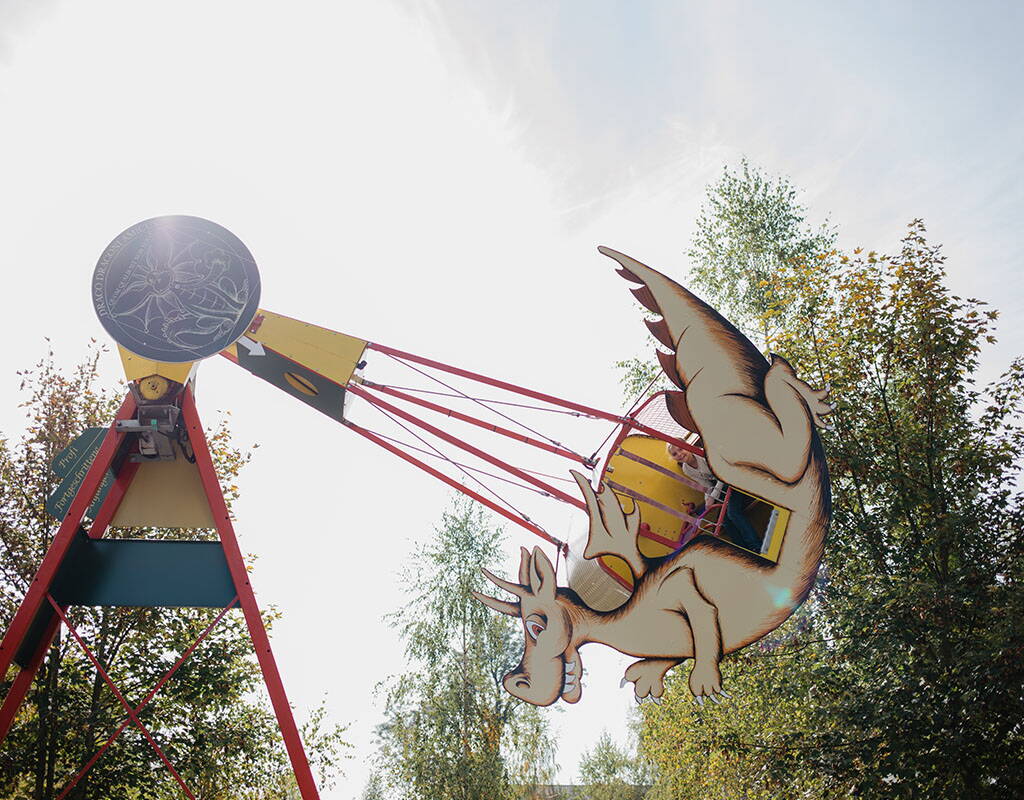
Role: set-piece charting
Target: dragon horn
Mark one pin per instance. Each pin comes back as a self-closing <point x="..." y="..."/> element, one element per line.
<point x="501" y="583"/>
<point x="512" y="609"/>
<point x="524" y="566"/>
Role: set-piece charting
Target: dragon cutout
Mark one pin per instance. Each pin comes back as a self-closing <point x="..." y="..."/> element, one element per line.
<point x="758" y="422"/>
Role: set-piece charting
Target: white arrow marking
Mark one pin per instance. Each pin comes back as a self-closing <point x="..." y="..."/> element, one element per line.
<point x="255" y="348"/>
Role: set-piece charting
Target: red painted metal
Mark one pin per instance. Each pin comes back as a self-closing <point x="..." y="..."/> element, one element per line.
<point x="113" y="500"/>
<point x="120" y="697"/>
<point x="148" y="698"/>
<point x="627" y="585"/>
<point x="454" y="440"/>
<point x="632" y="424"/>
<point x="246" y="598"/>
<point x="722" y="513"/>
<point x="518" y="520"/>
<point x="522" y="390"/>
<point x="561" y="451"/>
<point x="510" y="387"/>
<point x="36" y="594"/>
<point x="23" y="681"/>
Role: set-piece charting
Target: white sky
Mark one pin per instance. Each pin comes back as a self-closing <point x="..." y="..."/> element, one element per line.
<point x="437" y="177"/>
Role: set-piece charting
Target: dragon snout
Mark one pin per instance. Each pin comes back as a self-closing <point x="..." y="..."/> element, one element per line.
<point x="517" y="681"/>
<point x="542" y="683"/>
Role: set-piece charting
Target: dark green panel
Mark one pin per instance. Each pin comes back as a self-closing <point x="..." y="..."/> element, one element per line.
<point x="134" y="572"/>
<point x="46" y="613"/>
<point x="272" y="366"/>
<point x="33" y="635"/>
<point x="139" y="572"/>
<point x="70" y="466"/>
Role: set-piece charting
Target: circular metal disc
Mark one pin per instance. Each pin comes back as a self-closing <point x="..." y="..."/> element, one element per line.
<point x="176" y="288"/>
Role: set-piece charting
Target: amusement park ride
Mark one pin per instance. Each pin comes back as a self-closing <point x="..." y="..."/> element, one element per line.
<point x="705" y="529"/>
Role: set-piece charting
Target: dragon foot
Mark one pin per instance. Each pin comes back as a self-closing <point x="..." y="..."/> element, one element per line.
<point x="706" y="683"/>
<point x="648" y="678"/>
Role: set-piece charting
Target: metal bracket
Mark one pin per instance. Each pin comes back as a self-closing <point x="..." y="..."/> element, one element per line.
<point x="155" y="426"/>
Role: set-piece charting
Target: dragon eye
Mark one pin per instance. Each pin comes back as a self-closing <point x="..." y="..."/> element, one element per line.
<point x="534" y="626"/>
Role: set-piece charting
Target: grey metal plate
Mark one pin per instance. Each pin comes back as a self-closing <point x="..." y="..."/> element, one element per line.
<point x="176" y="288"/>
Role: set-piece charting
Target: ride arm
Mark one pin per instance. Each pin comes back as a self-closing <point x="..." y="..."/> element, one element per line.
<point x="312" y="364"/>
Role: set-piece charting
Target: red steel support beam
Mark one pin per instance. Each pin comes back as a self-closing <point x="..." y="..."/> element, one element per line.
<point x="146" y="700"/>
<point x="454" y="440"/>
<point x="109" y="507"/>
<point x="36" y="594"/>
<point x="23" y="681"/>
<point x="518" y="520"/>
<point x="120" y="697"/>
<point x="519" y="437"/>
<point x="247" y="599"/>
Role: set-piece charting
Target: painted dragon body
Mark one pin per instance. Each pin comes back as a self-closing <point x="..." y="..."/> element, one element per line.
<point x="758" y="424"/>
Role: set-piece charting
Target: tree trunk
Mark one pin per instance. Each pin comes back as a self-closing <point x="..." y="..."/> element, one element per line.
<point x="52" y="743"/>
<point x="88" y="742"/>
<point x="47" y="737"/>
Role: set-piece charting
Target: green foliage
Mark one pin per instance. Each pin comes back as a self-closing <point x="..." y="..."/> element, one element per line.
<point x="451" y="730"/>
<point x="902" y="675"/>
<point x="924" y="561"/>
<point x="750" y="229"/>
<point x="223" y="742"/>
<point x="610" y="772"/>
<point x="752" y="746"/>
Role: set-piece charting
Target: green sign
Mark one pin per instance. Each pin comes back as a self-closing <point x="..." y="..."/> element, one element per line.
<point x="70" y="466"/>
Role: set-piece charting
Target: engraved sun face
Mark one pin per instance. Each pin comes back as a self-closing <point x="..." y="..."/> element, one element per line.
<point x="176" y="288"/>
<point x="183" y="293"/>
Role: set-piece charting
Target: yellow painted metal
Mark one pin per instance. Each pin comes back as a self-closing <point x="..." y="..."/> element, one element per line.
<point x="153" y="387"/>
<point x="655" y="485"/>
<point x="137" y="367"/>
<point x="165" y="494"/>
<point x="620" y="567"/>
<point x="329" y="353"/>
<point x="777" y="533"/>
<point x="667" y="491"/>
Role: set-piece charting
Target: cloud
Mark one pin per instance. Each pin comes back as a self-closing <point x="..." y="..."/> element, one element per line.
<point x="17" y="16"/>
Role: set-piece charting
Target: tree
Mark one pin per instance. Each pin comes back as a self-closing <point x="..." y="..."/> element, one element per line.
<point x="903" y="678"/>
<point x="752" y="745"/>
<point x="750" y="229"/>
<point x="224" y="743"/>
<point x="610" y="772"/>
<point x="922" y="696"/>
<point x="450" y="729"/>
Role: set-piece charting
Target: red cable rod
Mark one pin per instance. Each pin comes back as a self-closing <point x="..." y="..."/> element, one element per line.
<point x="509" y="387"/>
<point x="525" y="523"/>
<point x="519" y="437"/>
<point x="522" y="390"/>
<point x="454" y="440"/>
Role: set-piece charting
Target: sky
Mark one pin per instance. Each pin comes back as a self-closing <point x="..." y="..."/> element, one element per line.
<point x="437" y="177"/>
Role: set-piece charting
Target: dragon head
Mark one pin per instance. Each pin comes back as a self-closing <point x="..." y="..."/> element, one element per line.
<point x="550" y="667"/>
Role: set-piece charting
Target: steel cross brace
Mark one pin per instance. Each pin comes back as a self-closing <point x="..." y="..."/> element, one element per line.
<point x="145" y="701"/>
<point x="132" y="714"/>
